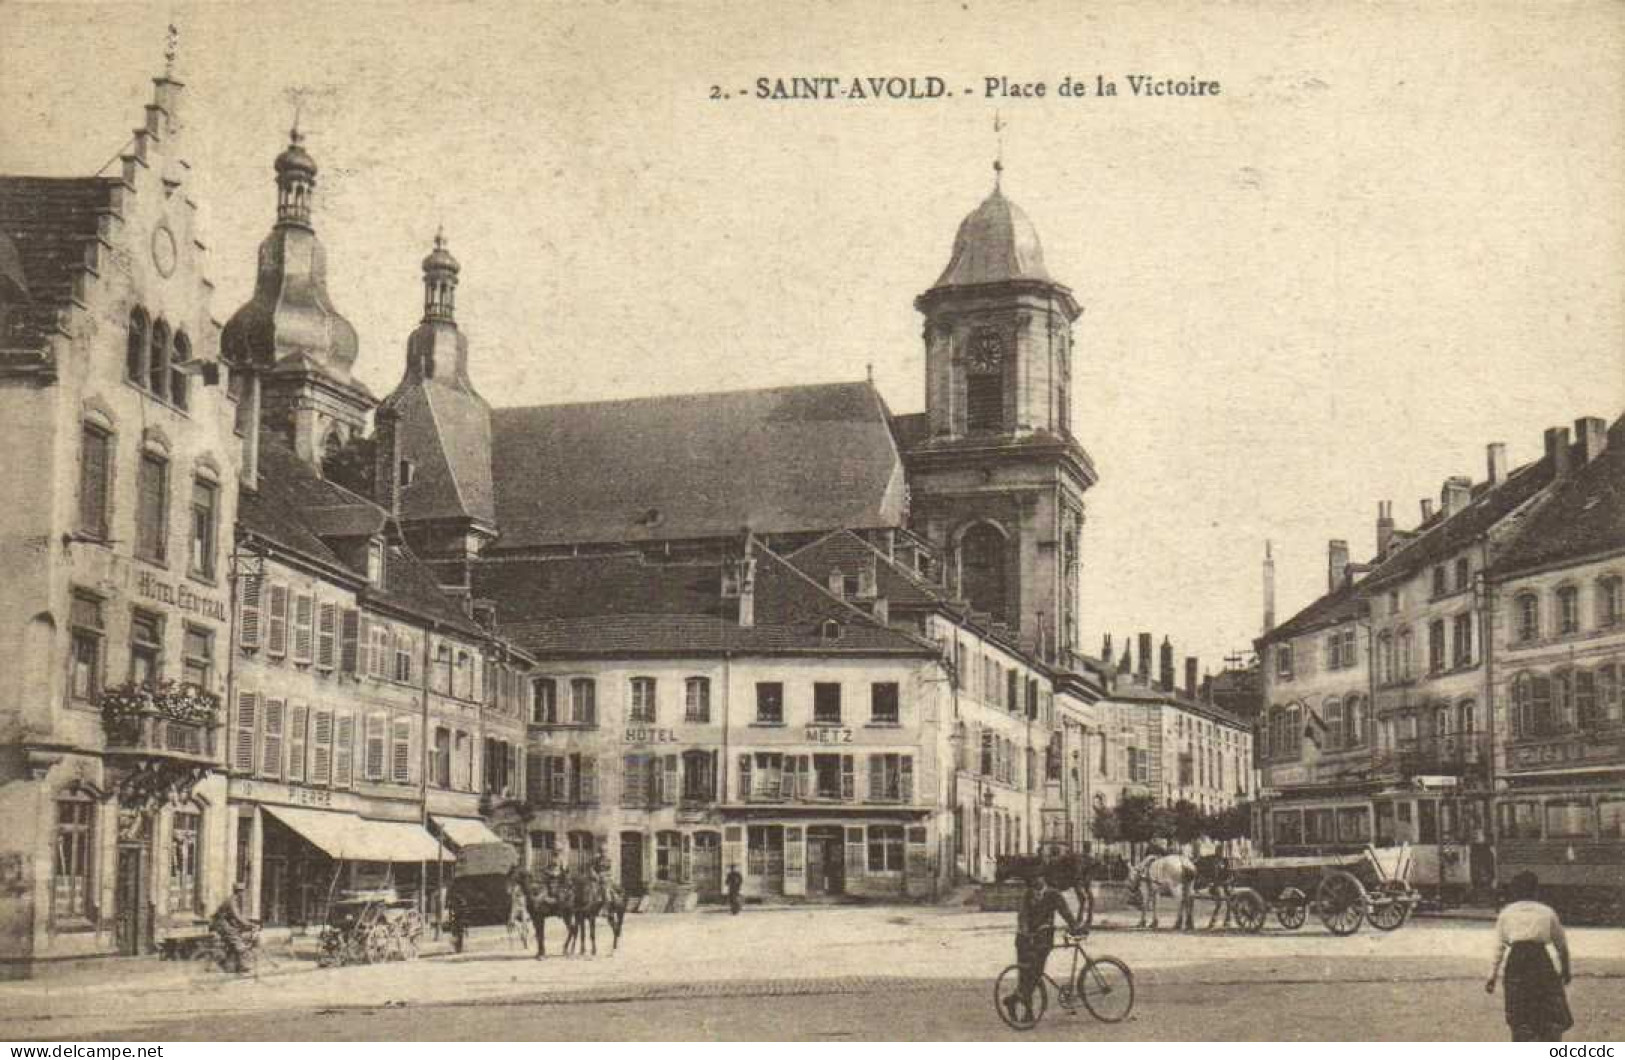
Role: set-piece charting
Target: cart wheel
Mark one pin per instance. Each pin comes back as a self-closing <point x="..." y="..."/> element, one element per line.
<point x="1291" y="908"/>
<point x="1005" y="986"/>
<point x="1341" y="900"/>
<point x="1247" y="906"/>
<point x="375" y="948"/>
<point x="1390" y="906"/>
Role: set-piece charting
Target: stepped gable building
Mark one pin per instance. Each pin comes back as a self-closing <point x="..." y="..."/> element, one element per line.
<point x="118" y="492"/>
<point x="377" y="728"/>
<point x="1388" y="699"/>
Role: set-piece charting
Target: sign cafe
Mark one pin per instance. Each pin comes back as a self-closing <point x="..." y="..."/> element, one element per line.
<point x="178" y="596"/>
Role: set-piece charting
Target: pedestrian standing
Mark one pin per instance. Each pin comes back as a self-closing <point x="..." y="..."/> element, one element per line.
<point x="1537" y="1007"/>
<point x="1041" y="903"/>
<point x="734" y="882"/>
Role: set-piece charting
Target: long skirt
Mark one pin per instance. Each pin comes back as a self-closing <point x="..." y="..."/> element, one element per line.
<point x="1536" y="1007"/>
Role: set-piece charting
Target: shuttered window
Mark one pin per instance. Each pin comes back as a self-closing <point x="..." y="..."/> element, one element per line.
<point x="375" y="747"/>
<point x="321" y="747"/>
<point x="248" y="633"/>
<point x="400" y="751"/>
<point x="304" y="627"/>
<point x="672" y="785"/>
<point x="349" y="641"/>
<point x="152" y="508"/>
<point x="242" y="755"/>
<point x="276" y="630"/>
<point x="344" y="750"/>
<point x="589" y="780"/>
<point x="327" y="635"/>
<point x="298" y="724"/>
<point x="272" y="723"/>
<point x="95" y="465"/>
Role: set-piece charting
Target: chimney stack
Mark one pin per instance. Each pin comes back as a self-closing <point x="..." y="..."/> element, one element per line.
<point x="1427" y="508"/>
<point x="1496" y="457"/>
<point x="1166" y="669"/>
<point x="1385" y="528"/>
<point x="1145" y="659"/>
<point x="1455" y="494"/>
<point x="1106" y="651"/>
<point x="386" y="460"/>
<point x="1269" y="588"/>
<point x="1557" y="450"/>
<point x="1590" y="437"/>
<point x="1337" y="563"/>
<point x="1125" y="664"/>
<point x="1190" y="677"/>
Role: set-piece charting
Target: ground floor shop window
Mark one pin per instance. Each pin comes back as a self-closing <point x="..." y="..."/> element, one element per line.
<point x="184" y="830"/>
<point x="1568" y="819"/>
<point x="582" y="850"/>
<point x="1288" y="827"/>
<point x="1353" y="825"/>
<point x="764" y="850"/>
<point x="543" y="850"/>
<point x="707" y="863"/>
<point x="885" y="848"/>
<point x="669" y="857"/>
<point x="70" y="880"/>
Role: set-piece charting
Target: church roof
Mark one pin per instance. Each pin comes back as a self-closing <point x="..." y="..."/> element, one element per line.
<point x="783" y="460"/>
<point x="50" y="223"/>
<point x="446" y="432"/>
<point x="995" y="243"/>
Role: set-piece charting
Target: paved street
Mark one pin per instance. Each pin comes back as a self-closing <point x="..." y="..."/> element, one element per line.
<point x="861" y="973"/>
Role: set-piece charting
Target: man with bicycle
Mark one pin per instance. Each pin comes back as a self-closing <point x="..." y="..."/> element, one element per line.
<point x="1035" y="937"/>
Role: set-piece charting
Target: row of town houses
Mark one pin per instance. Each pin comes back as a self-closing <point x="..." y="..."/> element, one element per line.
<point x="1461" y="690"/>
<point x="267" y="629"/>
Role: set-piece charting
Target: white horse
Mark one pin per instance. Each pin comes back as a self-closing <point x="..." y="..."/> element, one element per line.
<point x="1170" y="874"/>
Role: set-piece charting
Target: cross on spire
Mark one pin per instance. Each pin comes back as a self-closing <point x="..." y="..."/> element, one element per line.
<point x="998" y="158"/>
<point x="172" y="46"/>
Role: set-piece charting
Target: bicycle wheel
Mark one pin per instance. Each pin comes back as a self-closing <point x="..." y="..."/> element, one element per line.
<point x="1107" y="988"/>
<point x="1005" y="986"/>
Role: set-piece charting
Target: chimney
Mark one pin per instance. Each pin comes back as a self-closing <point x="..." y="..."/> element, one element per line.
<point x="386" y="460"/>
<point x="1427" y="508"/>
<point x="1106" y="651"/>
<point x="747" y="583"/>
<point x="1590" y="438"/>
<point x="1455" y="494"/>
<point x="1125" y="664"/>
<point x="1495" y="456"/>
<point x="1337" y="563"/>
<point x="1190" y="677"/>
<point x="1385" y="528"/>
<point x="1557" y="449"/>
<point x="1166" y="666"/>
<point x="1269" y="588"/>
<point x="1145" y="659"/>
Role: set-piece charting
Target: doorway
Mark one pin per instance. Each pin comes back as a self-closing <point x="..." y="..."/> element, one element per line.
<point x="130" y="898"/>
<point x="632" y="862"/>
<point x="826" y="859"/>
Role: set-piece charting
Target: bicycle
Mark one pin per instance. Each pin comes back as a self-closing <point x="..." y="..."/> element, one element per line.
<point x="1104" y="985"/>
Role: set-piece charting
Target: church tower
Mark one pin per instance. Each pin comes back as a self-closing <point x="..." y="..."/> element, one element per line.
<point x="433" y="437"/>
<point x="997" y="479"/>
<point x="293" y="351"/>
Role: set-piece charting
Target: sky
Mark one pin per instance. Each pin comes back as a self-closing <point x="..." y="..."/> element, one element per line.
<point x="1396" y="234"/>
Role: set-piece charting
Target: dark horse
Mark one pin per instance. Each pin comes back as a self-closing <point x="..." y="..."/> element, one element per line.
<point x="551" y="897"/>
<point x="592" y="895"/>
<point x="1064" y="869"/>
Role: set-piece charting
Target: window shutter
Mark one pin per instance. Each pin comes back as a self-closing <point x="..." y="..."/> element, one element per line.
<point x="93" y="482"/>
<point x="401" y="751"/>
<point x="247" y="716"/>
<point x="906" y="793"/>
<point x="276" y="642"/>
<point x="668" y="792"/>
<point x="304" y="621"/>
<point x="375" y="747"/>
<point x="326" y="635"/>
<point x="558" y="778"/>
<point x="849" y="783"/>
<point x="248" y="633"/>
<point x="744" y="777"/>
<point x="877" y="776"/>
<point x="787" y="777"/>
<point x="854" y="853"/>
<point x="344" y="750"/>
<point x="321" y="759"/>
<point x="589" y="779"/>
<point x="298" y="721"/>
<point x="535" y="782"/>
<point x="350" y="641"/>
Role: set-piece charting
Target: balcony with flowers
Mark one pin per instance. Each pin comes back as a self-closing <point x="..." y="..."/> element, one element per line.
<point x="168" y="721"/>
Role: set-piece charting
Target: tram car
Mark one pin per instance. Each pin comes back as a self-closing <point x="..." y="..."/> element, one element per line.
<point x="1574" y="843"/>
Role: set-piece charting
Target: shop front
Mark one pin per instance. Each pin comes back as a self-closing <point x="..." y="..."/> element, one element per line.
<point x="882" y="855"/>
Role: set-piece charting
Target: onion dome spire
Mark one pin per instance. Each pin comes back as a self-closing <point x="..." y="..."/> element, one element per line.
<point x="440" y="271"/>
<point x="295" y="180"/>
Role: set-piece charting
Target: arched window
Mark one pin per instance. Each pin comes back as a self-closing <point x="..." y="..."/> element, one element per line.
<point x="1402" y="660"/>
<point x="158" y="360"/>
<point x="135" y="349"/>
<point x="1354" y="723"/>
<point x="1334" y="724"/>
<point x="1467" y="718"/>
<point x="1532" y="704"/>
<point x="1385" y="658"/>
<point x="1563" y="701"/>
<point x="982" y="570"/>
<point x="177" y="377"/>
<point x="1608" y="695"/>
<point x="1568" y="610"/>
<point x="1610" y="593"/>
<point x="332" y="454"/>
<point x="1526" y="617"/>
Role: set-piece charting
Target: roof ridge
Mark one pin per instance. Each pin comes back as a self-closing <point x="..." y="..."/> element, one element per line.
<point x="824" y="592"/>
<point x="651" y="398"/>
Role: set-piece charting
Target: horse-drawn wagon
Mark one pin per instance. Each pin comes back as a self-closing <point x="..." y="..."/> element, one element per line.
<point x="368" y="927"/>
<point x="1343" y="890"/>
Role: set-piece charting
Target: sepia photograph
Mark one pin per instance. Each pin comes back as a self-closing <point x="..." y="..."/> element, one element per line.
<point x="844" y="521"/>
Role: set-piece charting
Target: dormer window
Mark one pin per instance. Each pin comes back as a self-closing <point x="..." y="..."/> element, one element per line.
<point x="831" y="629"/>
<point x="375" y="563"/>
<point x="408" y="473"/>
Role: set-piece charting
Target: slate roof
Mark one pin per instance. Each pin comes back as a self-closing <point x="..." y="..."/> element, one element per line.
<point x="297" y="510"/>
<point x="1584" y="517"/>
<point x="446" y="432"/>
<point x="995" y="243"/>
<point x="53" y="223"/>
<point x="628" y="604"/>
<point x="1134" y="692"/>
<point x="790" y="459"/>
<point x="1343" y="605"/>
<point x="851" y="553"/>
<point x="911" y="429"/>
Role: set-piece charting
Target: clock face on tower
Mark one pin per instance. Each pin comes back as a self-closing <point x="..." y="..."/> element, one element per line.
<point x="986" y="351"/>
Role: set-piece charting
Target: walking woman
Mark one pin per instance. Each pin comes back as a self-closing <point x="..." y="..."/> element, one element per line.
<point x="1537" y="1007"/>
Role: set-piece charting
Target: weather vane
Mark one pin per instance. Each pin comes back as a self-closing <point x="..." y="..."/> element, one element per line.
<point x="172" y="45"/>
<point x="998" y="159"/>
